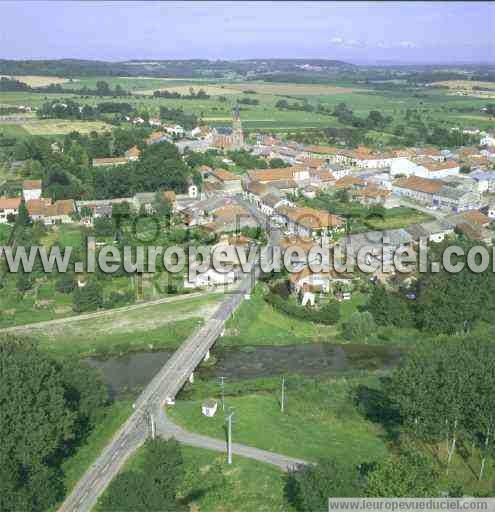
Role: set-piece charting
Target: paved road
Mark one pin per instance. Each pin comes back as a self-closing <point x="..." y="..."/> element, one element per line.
<point x="166" y="428"/>
<point x="166" y="384"/>
<point x="107" y="312"/>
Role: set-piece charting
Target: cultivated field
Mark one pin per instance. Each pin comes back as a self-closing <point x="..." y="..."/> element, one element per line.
<point x="61" y="127"/>
<point x="39" y="81"/>
<point x="465" y="84"/>
<point x="274" y="89"/>
<point x="212" y="90"/>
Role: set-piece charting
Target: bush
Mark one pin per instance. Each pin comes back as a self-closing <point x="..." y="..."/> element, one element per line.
<point x="116" y="299"/>
<point x="65" y="283"/>
<point x="359" y="326"/>
<point x="88" y="298"/>
<point x="328" y="315"/>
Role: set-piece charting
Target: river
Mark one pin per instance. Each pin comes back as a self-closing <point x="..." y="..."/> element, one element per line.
<point x="130" y="373"/>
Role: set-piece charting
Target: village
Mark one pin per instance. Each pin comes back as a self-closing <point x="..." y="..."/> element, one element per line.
<point x="453" y="189"/>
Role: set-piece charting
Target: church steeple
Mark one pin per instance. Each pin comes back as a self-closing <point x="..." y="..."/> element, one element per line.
<point x="237" y="135"/>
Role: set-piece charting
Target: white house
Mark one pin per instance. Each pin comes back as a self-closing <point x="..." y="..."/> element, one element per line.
<point x="485" y="180"/>
<point x="404" y="167"/>
<point x="210" y="278"/>
<point x="59" y="212"/>
<point x="487" y="140"/>
<point x="209" y="408"/>
<point x="31" y="189"/>
<point x="434" y="169"/>
<point x="9" y="206"/>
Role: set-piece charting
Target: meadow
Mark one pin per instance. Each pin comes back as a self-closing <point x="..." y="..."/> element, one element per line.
<point x="123" y="330"/>
<point x="436" y="105"/>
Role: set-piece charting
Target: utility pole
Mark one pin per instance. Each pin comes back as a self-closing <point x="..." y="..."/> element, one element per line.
<point x="282" y="401"/>
<point x="229" y="438"/>
<point x="222" y="387"/>
<point x="152" y="424"/>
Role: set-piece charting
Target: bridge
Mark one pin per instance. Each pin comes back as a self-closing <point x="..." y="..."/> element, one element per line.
<point x="165" y="385"/>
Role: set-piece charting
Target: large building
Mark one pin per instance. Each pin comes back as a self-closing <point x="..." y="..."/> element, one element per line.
<point x="230" y="138"/>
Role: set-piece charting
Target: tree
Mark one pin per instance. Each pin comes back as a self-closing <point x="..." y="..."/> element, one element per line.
<point x="410" y="474"/>
<point x="309" y="487"/>
<point x="453" y="302"/>
<point x="24" y="281"/>
<point x="441" y="391"/>
<point x="153" y="488"/>
<point x="359" y="326"/>
<point x="87" y="298"/>
<point x="41" y="403"/>
<point x="65" y="283"/>
<point x="276" y="163"/>
<point x="389" y="308"/>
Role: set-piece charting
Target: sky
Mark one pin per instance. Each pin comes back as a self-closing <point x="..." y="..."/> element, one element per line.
<point x="357" y="32"/>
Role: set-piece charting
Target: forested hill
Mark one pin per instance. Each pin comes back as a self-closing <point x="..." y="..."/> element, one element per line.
<point x="194" y="68"/>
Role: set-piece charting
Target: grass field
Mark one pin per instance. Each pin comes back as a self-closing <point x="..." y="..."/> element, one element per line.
<point x="249" y="485"/>
<point x="320" y="420"/>
<point x="118" y="332"/>
<point x="13" y="130"/>
<point x="258" y="323"/>
<point x="61" y="127"/>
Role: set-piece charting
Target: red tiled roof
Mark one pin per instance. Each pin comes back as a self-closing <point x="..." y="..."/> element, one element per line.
<point x="10" y="203"/>
<point x="31" y="185"/>
<point x="418" y="184"/>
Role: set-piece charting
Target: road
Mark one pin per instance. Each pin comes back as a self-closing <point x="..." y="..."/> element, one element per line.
<point x="166" y="428"/>
<point x="107" y="312"/>
<point x="166" y="384"/>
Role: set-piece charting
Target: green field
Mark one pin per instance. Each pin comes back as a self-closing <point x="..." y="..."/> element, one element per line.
<point x="258" y="323"/>
<point x="436" y="105"/>
<point x="320" y="420"/>
<point x="118" y="332"/>
<point x="13" y="130"/>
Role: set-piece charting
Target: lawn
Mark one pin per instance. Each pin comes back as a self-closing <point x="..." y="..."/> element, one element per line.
<point x="249" y="485"/>
<point x="320" y="420"/>
<point x="62" y="127"/>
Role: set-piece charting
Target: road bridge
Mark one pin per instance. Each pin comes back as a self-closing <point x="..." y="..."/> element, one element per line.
<point x="165" y="385"/>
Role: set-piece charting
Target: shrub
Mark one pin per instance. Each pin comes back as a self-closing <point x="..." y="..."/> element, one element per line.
<point x="359" y="326"/>
<point x="65" y="283"/>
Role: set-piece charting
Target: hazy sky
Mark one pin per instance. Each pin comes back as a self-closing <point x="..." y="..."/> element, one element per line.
<point x="360" y="32"/>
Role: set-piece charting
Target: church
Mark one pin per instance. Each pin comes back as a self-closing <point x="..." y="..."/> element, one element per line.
<point x="230" y="138"/>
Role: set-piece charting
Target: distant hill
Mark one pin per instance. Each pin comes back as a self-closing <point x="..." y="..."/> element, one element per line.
<point x="173" y="68"/>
